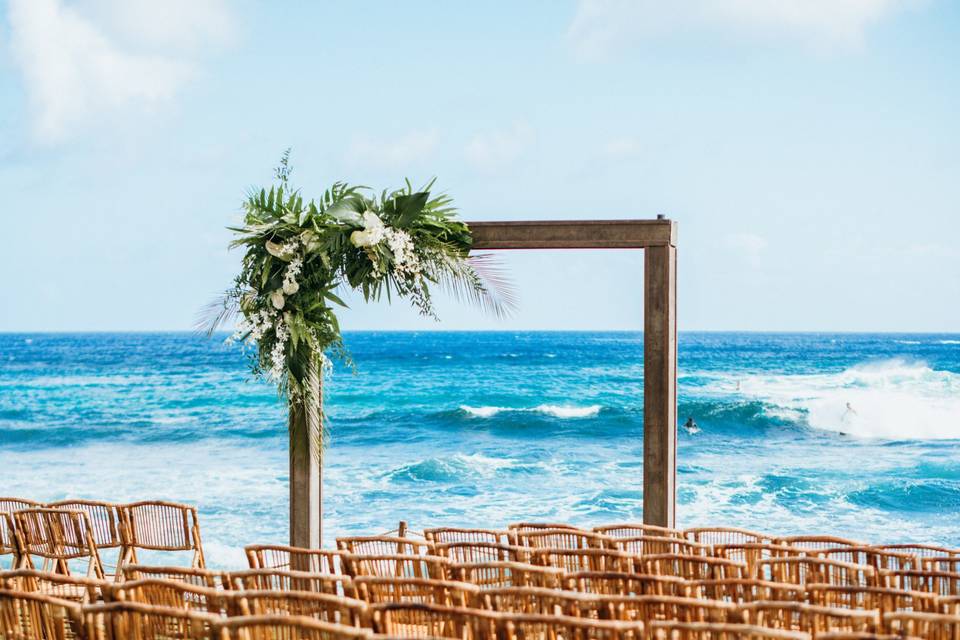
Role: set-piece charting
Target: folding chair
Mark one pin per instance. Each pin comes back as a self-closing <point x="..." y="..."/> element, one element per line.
<point x="58" y="536"/>
<point x="156" y="525"/>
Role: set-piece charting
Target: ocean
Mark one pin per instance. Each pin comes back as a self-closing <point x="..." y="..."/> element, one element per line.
<point x="857" y="435"/>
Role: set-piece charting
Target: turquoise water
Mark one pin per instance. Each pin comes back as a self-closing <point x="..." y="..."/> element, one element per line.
<point x="488" y="428"/>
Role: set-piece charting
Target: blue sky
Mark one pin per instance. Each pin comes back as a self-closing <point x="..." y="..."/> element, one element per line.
<point x="810" y="149"/>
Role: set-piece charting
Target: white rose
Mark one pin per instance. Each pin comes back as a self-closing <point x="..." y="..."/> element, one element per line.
<point x="361" y="239"/>
<point x="371" y="221"/>
<point x="290" y="287"/>
<point x="277" y="299"/>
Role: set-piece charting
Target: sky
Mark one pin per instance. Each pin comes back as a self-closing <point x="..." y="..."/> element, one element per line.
<point x="808" y="149"/>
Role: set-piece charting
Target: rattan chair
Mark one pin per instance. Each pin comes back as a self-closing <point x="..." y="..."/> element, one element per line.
<point x="816" y="542"/>
<point x="421" y="620"/>
<point x="177" y="594"/>
<point x="384" y="545"/>
<point x="8" y="539"/>
<point x="446" y="535"/>
<point x="632" y="530"/>
<point x="648" y="608"/>
<point x="280" y="580"/>
<point x="804" y="570"/>
<point x="377" y="589"/>
<point x="283" y="627"/>
<point x="797" y="616"/>
<point x="883" y="599"/>
<point x="494" y="575"/>
<point x="200" y="577"/>
<point x="105" y="522"/>
<point x="941" y="583"/>
<point x="483" y="552"/>
<point x="319" y="606"/>
<point x="575" y="560"/>
<point x="541" y="600"/>
<point x="530" y="626"/>
<point x="724" y="535"/>
<point x="561" y="539"/>
<point x="278" y="556"/>
<point x="37" y="616"/>
<point x="620" y="583"/>
<point x="57" y="536"/>
<point x="739" y="590"/>
<point x="397" y="565"/>
<point x="752" y="552"/>
<point x="879" y="559"/>
<point x="653" y="545"/>
<point x="138" y="621"/>
<point x="156" y="525"/>
<point x="670" y="630"/>
<point x="930" y="626"/>
<point x="691" y="567"/>
<point x="74" y="588"/>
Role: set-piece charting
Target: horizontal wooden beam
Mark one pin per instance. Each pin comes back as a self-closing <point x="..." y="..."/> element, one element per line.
<point x="574" y="234"/>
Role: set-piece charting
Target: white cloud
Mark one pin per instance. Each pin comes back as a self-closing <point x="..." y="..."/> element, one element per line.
<point x="600" y="25"/>
<point x="494" y="149"/>
<point x="92" y="61"/>
<point x="393" y="153"/>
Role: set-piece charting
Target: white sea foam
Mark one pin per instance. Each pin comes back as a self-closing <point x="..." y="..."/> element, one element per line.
<point x="891" y="399"/>
<point x="568" y="412"/>
<point x="949" y="341"/>
<point x="557" y="411"/>
<point x="482" y="412"/>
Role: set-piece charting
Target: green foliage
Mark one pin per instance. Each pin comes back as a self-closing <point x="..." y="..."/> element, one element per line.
<point x="299" y="255"/>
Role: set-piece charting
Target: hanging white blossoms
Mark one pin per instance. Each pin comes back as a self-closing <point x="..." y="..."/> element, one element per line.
<point x="290" y="285"/>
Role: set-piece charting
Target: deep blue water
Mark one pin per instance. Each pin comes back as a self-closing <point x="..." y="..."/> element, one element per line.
<point x="488" y="428"/>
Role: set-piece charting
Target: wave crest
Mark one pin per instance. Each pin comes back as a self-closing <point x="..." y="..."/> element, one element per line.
<point x="553" y="410"/>
<point x="891" y="399"/>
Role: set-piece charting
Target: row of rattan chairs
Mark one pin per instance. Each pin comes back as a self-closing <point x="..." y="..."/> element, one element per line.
<point x="132" y="612"/>
<point x="486" y="561"/>
<point x="182" y="586"/>
<point x="60" y="532"/>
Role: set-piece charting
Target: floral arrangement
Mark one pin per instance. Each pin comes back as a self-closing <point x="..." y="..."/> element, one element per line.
<point x="299" y="254"/>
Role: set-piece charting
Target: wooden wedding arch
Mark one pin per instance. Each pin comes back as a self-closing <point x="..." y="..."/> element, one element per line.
<point x="659" y="240"/>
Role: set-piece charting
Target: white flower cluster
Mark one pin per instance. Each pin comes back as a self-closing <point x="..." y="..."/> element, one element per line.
<point x="278" y="364"/>
<point x="405" y="260"/>
<point x="253" y="327"/>
<point x="290" y="285"/>
<point x="406" y="263"/>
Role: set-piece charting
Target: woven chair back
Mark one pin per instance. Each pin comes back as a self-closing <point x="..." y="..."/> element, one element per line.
<point x="276" y="556"/>
<point x="378" y="589"/>
<point x="724" y="535"/>
<point x="160" y="526"/>
<point x="37" y="616"/>
<point x="281" y="580"/>
<point x="191" y="575"/>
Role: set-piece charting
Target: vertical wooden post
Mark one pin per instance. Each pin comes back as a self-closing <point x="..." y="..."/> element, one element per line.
<point x="660" y="386"/>
<point x="306" y="467"/>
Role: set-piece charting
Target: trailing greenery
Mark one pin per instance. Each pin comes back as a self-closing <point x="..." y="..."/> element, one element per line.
<point x="301" y="254"/>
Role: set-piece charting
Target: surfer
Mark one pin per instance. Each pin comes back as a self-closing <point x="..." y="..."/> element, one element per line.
<point x="850" y="411"/>
<point x="691" y="426"/>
